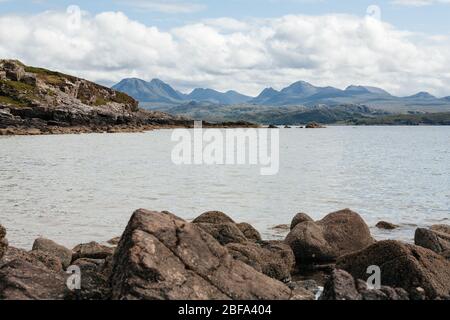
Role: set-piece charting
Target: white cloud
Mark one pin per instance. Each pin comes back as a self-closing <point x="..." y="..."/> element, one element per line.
<point x="246" y="55"/>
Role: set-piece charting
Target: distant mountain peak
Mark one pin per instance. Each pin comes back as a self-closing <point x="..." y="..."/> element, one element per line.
<point x="366" y="89"/>
<point x="422" y="95"/>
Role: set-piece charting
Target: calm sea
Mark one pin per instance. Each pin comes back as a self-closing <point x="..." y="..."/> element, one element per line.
<point x="78" y="188"/>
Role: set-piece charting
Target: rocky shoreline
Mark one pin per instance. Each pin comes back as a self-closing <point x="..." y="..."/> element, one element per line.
<point x="161" y="256"/>
<point x="36" y="101"/>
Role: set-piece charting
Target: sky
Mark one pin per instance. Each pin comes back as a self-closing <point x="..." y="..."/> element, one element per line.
<point x="402" y="46"/>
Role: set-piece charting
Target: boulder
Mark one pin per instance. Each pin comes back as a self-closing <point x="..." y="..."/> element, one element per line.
<point x="3" y="241"/>
<point x="161" y="256"/>
<point x="223" y="232"/>
<point x="51" y="247"/>
<point x="337" y="234"/>
<point x="21" y="280"/>
<point x="249" y="231"/>
<point x="436" y="241"/>
<point x="386" y="225"/>
<point x="215" y="217"/>
<point x="402" y="266"/>
<point x="273" y="258"/>
<point x="340" y="286"/>
<point x="299" y="218"/>
<point x="92" y="250"/>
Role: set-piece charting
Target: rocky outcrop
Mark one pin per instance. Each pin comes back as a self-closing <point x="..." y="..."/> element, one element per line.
<point x="342" y="286"/>
<point x="40" y="101"/>
<point x="52" y="248"/>
<point x="22" y="280"/>
<point x="436" y="239"/>
<point x="161" y="256"/>
<point x="3" y="241"/>
<point x="386" y="225"/>
<point x="337" y="234"/>
<point x="402" y="265"/>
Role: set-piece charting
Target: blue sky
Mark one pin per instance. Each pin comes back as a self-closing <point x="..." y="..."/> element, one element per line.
<point x="415" y="15"/>
<point x="245" y="45"/>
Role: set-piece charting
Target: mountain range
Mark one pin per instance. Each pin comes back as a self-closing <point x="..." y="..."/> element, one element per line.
<point x="157" y="94"/>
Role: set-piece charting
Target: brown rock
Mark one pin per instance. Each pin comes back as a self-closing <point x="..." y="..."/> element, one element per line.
<point x="436" y="241"/>
<point x="87" y="264"/>
<point x="340" y="286"/>
<point x="249" y="231"/>
<point x="92" y="250"/>
<point x="114" y="241"/>
<point x="50" y="261"/>
<point x="386" y="225"/>
<point x="308" y="243"/>
<point x="402" y="265"/>
<point x="21" y="280"/>
<point x="162" y="256"/>
<point x="51" y="247"/>
<point x="94" y="286"/>
<point x="314" y="125"/>
<point x="299" y="218"/>
<point x="40" y="259"/>
<point x="274" y="258"/>
<point x="337" y="234"/>
<point x="443" y="228"/>
<point x="215" y="217"/>
<point x="224" y="232"/>
<point x="3" y="241"/>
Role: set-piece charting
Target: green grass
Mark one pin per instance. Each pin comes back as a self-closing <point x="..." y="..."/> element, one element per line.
<point x="9" y="101"/>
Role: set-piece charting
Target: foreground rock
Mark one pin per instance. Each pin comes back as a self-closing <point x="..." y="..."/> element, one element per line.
<point x="436" y="239"/>
<point x="402" y="265"/>
<point x="273" y="258"/>
<point x="21" y="280"/>
<point x="161" y="256"/>
<point x="337" y="234"/>
<point x="3" y="241"/>
<point x="51" y="247"/>
<point x="342" y="286"/>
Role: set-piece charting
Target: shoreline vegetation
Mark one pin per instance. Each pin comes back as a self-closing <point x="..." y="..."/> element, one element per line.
<point x="161" y="256"/>
<point x="36" y="101"/>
